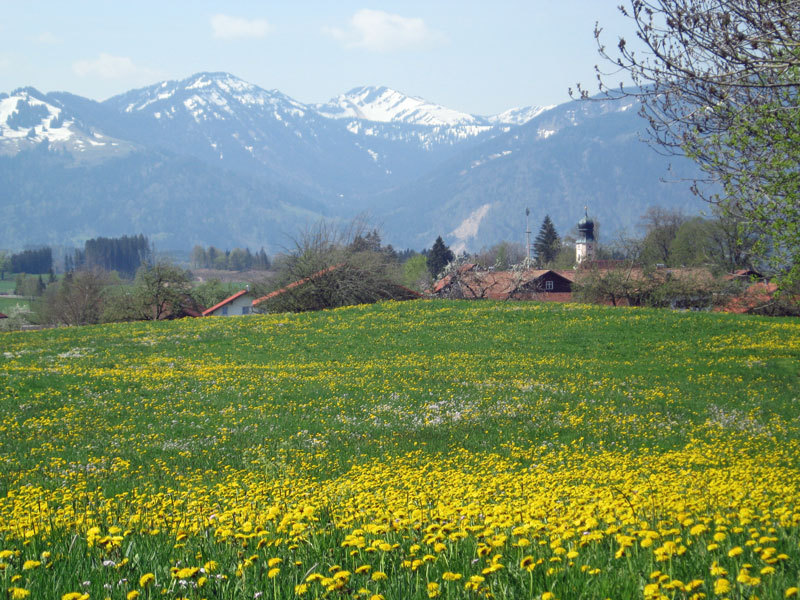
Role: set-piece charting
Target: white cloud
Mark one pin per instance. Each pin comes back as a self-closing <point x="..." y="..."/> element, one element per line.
<point x="230" y="28"/>
<point x="384" y="32"/>
<point x="107" y="66"/>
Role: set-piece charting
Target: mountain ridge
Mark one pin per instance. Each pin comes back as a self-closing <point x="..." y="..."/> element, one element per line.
<point x="418" y="168"/>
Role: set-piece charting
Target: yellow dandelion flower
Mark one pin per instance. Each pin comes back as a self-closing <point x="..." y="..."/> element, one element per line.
<point x="30" y="564"/>
<point x="450" y="576"/>
<point x="186" y="573"/>
<point x="300" y="589"/>
<point x="274" y="561"/>
<point x="735" y="551"/>
<point x="791" y="592"/>
<point x="379" y="576"/>
<point x="722" y="586"/>
<point x="211" y="566"/>
<point x="433" y="589"/>
<point x="18" y="593"/>
<point x="146" y="579"/>
<point x="272" y="573"/>
<point x="132" y="595"/>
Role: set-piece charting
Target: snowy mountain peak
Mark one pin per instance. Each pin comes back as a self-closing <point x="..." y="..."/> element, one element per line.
<point x="518" y="116"/>
<point x="214" y="96"/>
<point x="29" y="118"/>
<point x="385" y="105"/>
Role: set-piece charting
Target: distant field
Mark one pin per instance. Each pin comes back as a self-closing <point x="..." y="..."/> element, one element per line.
<point x="6" y="304"/>
<point x="404" y="450"/>
<point x="7" y="285"/>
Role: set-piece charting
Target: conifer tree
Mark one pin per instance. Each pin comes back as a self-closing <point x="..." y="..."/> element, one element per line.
<point x="438" y="257"/>
<point x="547" y="243"/>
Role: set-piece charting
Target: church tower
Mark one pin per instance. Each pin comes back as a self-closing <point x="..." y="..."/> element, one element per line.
<point x="585" y="245"/>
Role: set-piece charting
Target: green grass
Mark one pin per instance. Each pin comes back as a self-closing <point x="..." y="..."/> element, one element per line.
<point x="404" y="423"/>
<point x="7" y="304"/>
<point x="7" y="285"/>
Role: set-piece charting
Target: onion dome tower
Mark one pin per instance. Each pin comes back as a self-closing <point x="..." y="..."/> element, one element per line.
<point x="585" y="245"/>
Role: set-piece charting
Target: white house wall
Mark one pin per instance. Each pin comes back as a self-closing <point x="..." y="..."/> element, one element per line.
<point x="235" y="307"/>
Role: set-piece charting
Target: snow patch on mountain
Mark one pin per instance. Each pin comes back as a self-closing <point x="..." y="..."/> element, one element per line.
<point x="493" y="156"/>
<point x="468" y="228"/>
<point x="518" y="116"/>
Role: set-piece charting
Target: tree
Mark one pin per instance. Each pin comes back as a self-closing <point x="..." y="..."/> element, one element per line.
<point x="713" y="242"/>
<point x="415" y="273"/>
<point x="78" y="299"/>
<point x="160" y="289"/>
<point x="438" y="257"/>
<point x="326" y="269"/>
<point x="718" y="80"/>
<point x="210" y="292"/>
<point x="503" y="255"/>
<point x="547" y="243"/>
<point x="661" y="226"/>
<point x="5" y="264"/>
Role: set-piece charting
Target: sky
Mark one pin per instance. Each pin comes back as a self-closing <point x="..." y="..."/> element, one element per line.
<point x="476" y="56"/>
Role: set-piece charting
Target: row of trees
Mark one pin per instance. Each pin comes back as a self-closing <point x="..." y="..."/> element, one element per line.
<point x="237" y="259"/>
<point x="158" y="291"/>
<point x="123" y="254"/>
<point x="35" y="262"/>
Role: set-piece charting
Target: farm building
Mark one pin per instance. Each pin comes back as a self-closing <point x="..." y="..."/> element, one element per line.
<point x="240" y="303"/>
<point x="471" y="283"/>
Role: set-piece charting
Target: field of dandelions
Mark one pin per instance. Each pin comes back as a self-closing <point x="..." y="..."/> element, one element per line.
<point x="416" y="450"/>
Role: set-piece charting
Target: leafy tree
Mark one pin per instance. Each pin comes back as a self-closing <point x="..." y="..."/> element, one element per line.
<point x="199" y="258"/>
<point x="718" y="80"/>
<point x="159" y="290"/>
<point x="415" y="273"/>
<point x="547" y="243"/>
<point x="210" y="292"/>
<point x="661" y="226"/>
<point x="715" y="242"/>
<point x="438" y="257"/>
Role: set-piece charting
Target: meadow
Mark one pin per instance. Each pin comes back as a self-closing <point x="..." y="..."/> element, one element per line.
<point x="404" y="450"/>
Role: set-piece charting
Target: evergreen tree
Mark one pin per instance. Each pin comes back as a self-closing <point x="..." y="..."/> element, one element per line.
<point x="547" y="243"/>
<point x="438" y="257"/>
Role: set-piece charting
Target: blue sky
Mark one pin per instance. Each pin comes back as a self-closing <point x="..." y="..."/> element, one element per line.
<point x="474" y="56"/>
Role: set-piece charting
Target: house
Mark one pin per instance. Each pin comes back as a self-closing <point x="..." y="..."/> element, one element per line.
<point x="240" y="303"/>
<point x="469" y="282"/>
<point x="2" y="316"/>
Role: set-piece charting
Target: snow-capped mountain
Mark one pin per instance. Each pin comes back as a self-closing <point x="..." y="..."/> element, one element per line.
<point x="518" y="116"/>
<point x="213" y="159"/>
<point x="386" y="105"/>
<point x="28" y="119"/>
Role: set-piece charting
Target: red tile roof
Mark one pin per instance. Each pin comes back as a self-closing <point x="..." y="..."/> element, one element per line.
<point x="2" y="316"/>
<point x="501" y="285"/>
<point x="295" y="284"/>
<point x="227" y="300"/>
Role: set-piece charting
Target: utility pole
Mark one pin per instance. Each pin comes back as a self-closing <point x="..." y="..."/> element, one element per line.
<point x="527" y="234"/>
